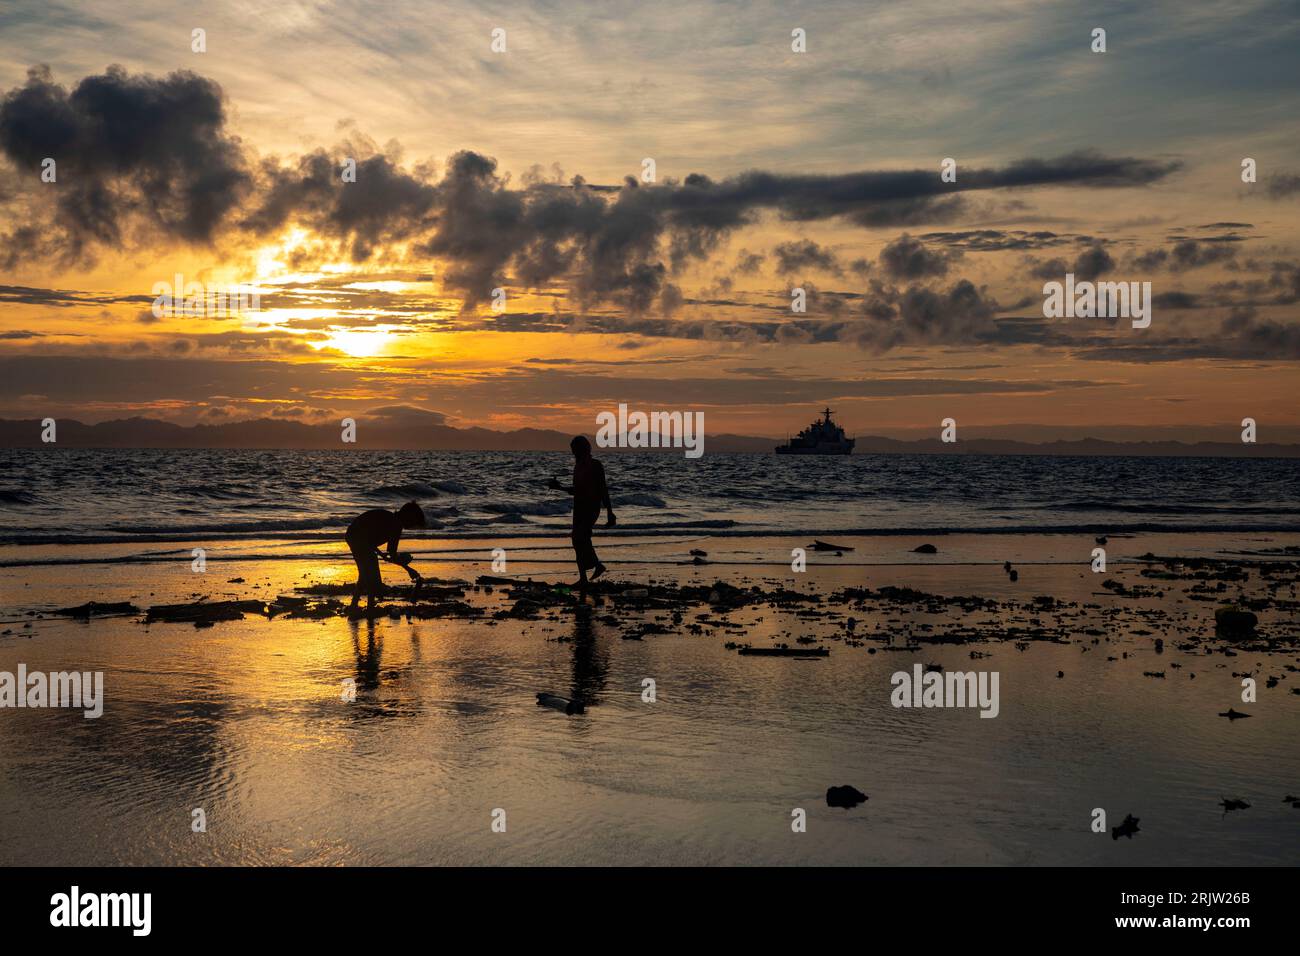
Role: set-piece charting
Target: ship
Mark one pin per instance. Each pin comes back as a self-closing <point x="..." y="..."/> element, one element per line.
<point x="822" y="437"/>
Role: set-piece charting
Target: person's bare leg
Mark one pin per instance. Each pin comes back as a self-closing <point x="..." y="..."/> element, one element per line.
<point x="597" y="571"/>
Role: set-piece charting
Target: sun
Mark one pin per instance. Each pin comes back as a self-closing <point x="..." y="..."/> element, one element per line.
<point x="365" y="344"/>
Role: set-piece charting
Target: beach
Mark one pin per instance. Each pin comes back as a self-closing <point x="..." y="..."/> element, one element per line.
<point x="247" y="718"/>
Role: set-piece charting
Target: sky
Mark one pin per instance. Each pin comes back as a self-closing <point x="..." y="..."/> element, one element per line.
<point x="505" y="256"/>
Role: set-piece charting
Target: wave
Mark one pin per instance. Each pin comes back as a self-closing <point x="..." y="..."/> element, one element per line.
<point x="1158" y="508"/>
<point x="216" y="493"/>
<point x="639" y="498"/>
<point x="563" y="506"/>
<point x="412" y="489"/>
<point x="538" y="508"/>
<point x="510" y="517"/>
<point x="234" y="527"/>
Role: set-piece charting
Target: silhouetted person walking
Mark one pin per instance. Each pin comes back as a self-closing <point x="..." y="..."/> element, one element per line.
<point x="370" y="530"/>
<point x="590" y="493"/>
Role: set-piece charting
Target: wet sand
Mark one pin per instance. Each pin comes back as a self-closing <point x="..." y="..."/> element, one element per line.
<point x="244" y="718"/>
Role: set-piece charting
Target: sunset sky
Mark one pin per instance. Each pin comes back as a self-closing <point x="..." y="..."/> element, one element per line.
<point x="478" y="170"/>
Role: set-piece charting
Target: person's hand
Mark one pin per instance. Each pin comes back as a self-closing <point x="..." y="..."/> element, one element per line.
<point x="610" y="522"/>
<point x="555" y="483"/>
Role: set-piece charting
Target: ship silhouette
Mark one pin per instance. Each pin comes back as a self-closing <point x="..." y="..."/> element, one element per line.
<point x="822" y="437"/>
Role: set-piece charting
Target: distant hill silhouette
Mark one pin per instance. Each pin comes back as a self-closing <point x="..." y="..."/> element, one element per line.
<point x="434" y="436"/>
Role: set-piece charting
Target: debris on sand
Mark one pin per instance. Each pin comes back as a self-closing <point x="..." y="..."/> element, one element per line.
<point x="1232" y="714"/>
<point x="522" y="609"/>
<point x="824" y="546"/>
<point x="925" y="549"/>
<point x="784" y="650"/>
<point x="308" y="612"/>
<point x="428" y="588"/>
<point x="95" y="609"/>
<point x="1014" y="575"/>
<point x="202" y="613"/>
<point x="556" y="702"/>
<point x="1125" y="829"/>
<point x="846" y="797"/>
<point x="1234" y="805"/>
<point x="697" y="553"/>
<point x="1231" y="621"/>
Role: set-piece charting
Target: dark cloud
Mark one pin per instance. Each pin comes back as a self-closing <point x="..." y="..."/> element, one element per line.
<point x="908" y="258"/>
<point x="1190" y="254"/>
<point x="1176" y="300"/>
<point x="146" y="155"/>
<point x="802" y="255"/>
<point x="1090" y="263"/>
<point x="1282" y="185"/>
<point x="748" y="263"/>
<point x="127" y="149"/>
<point x="63" y="298"/>
<point x="996" y="240"/>
<point x="383" y="205"/>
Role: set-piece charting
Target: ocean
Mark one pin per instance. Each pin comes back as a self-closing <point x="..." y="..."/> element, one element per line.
<point x="68" y="496"/>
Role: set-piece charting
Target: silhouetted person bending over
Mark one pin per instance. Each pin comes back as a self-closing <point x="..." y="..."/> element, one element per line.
<point x="590" y="493"/>
<point x="364" y="536"/>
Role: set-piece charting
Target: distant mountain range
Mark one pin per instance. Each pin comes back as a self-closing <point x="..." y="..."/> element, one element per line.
<point x="432" y="436"/>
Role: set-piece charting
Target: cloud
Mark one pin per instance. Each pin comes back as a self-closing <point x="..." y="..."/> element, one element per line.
<point x="1282" y="185"/>
<point x="127" y="148"/>
<point x="748" y="263"/>
<point x="995" y="240"/>
<point x="384" y="204"/>
<point x="1090" y="263"/>
<point x="908" y="258"/>
<point x="1188" y="254"/>
<point x="803" y="255"/>
<point x="152" y="158"/>
<point x="404" y="416"/>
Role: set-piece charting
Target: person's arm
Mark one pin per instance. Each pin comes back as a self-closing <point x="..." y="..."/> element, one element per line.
<point x="393" y="540"/>
<point x="604" y="496"/>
